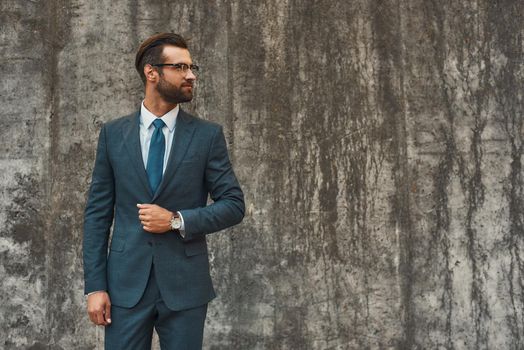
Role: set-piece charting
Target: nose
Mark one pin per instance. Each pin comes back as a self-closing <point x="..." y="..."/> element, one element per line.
<point x="190" y="75"/>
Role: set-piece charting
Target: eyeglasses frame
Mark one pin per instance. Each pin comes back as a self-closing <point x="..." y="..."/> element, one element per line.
<point x="182" y="67"/>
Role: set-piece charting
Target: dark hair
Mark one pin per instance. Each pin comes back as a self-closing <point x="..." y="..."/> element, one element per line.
<point x="150" y="52"/>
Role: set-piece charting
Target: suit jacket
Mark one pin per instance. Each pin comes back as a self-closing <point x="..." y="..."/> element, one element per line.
<point x="198" y="166"/>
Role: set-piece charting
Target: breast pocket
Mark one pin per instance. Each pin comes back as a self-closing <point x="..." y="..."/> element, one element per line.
<point x="190" y="161"/>
<point x="191" y="169"/>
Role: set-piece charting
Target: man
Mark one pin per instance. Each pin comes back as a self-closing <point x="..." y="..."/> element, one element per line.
<point x="153" y="173"/>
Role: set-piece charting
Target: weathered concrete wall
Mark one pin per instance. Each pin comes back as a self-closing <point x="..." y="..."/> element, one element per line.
<point x="379" y="144"/>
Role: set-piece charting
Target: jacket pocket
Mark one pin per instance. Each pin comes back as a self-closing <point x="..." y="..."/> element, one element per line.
<point x="195" y="248"/>
<point x="117" y="245"/>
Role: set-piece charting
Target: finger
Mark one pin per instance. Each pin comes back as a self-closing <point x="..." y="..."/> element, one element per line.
<point x="107" y="313"/>
<point x="92" y="316"/>
<point x="100" y="317"/>
<point x="144" y="211"/>
<point x="150" y="229"/>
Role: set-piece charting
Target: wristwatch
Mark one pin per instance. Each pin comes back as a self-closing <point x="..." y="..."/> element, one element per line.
<point x="176" y="222"/>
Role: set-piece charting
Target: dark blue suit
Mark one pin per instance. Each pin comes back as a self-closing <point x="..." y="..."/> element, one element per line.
<point x="198" y="166"/>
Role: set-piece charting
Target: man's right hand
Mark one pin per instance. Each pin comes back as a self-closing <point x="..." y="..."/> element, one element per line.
<point x="99" y="308"/>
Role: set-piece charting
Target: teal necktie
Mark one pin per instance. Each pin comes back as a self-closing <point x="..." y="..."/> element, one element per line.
<point x="155" y="159"/>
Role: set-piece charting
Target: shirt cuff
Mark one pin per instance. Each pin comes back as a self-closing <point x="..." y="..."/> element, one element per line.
<point x="182" y="231"/>
<point x="96" y="291"/>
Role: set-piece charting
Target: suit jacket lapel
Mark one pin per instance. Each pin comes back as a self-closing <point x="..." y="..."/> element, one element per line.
<point x="184" y="130"/>
<point x="132" y="142"/>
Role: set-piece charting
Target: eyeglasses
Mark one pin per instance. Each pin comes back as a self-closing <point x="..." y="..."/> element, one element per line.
<point x="179" y="67"/>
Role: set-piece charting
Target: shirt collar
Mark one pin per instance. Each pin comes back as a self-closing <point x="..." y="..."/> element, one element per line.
<point x="147" y="118"/>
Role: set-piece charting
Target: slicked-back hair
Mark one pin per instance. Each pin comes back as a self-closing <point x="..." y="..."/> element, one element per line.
<point x="150" y="52"/>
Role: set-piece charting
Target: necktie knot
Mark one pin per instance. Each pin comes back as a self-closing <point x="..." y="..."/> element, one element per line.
<point x="159" y="123"/>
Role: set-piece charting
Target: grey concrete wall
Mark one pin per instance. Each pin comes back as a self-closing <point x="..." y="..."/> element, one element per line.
<point x="379" y="144"/>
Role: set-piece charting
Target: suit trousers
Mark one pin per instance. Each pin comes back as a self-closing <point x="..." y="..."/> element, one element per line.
<point x="132" y="328"/>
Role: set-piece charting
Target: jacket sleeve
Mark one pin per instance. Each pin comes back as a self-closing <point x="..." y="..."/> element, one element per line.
<point x="228" y="206"/>
<point x="98" y="218"/>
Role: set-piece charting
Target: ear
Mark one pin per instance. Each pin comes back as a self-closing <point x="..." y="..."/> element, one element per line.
<point x="150" y="73"/>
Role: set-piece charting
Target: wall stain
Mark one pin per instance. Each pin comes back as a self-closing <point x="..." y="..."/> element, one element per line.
<point x="506" y="36"/>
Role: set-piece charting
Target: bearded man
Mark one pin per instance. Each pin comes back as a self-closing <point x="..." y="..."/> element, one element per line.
<point x="153" y="173"/>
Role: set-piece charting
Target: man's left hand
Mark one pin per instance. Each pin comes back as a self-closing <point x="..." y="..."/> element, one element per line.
<point x="154" y="219"/>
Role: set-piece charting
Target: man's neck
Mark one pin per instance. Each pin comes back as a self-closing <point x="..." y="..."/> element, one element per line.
<point x="158" y="107"/>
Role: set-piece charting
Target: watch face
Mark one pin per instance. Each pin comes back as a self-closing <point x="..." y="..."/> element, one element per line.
<point x="176" y="223"/>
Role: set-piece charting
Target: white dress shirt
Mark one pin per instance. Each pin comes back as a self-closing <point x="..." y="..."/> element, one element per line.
<point x="147" y="129"/>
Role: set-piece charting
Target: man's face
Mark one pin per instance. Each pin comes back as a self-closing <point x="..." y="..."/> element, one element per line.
<point x="175" y="86"/>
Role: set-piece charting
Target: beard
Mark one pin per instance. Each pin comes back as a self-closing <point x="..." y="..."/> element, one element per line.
<point x="171" y="94"/>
